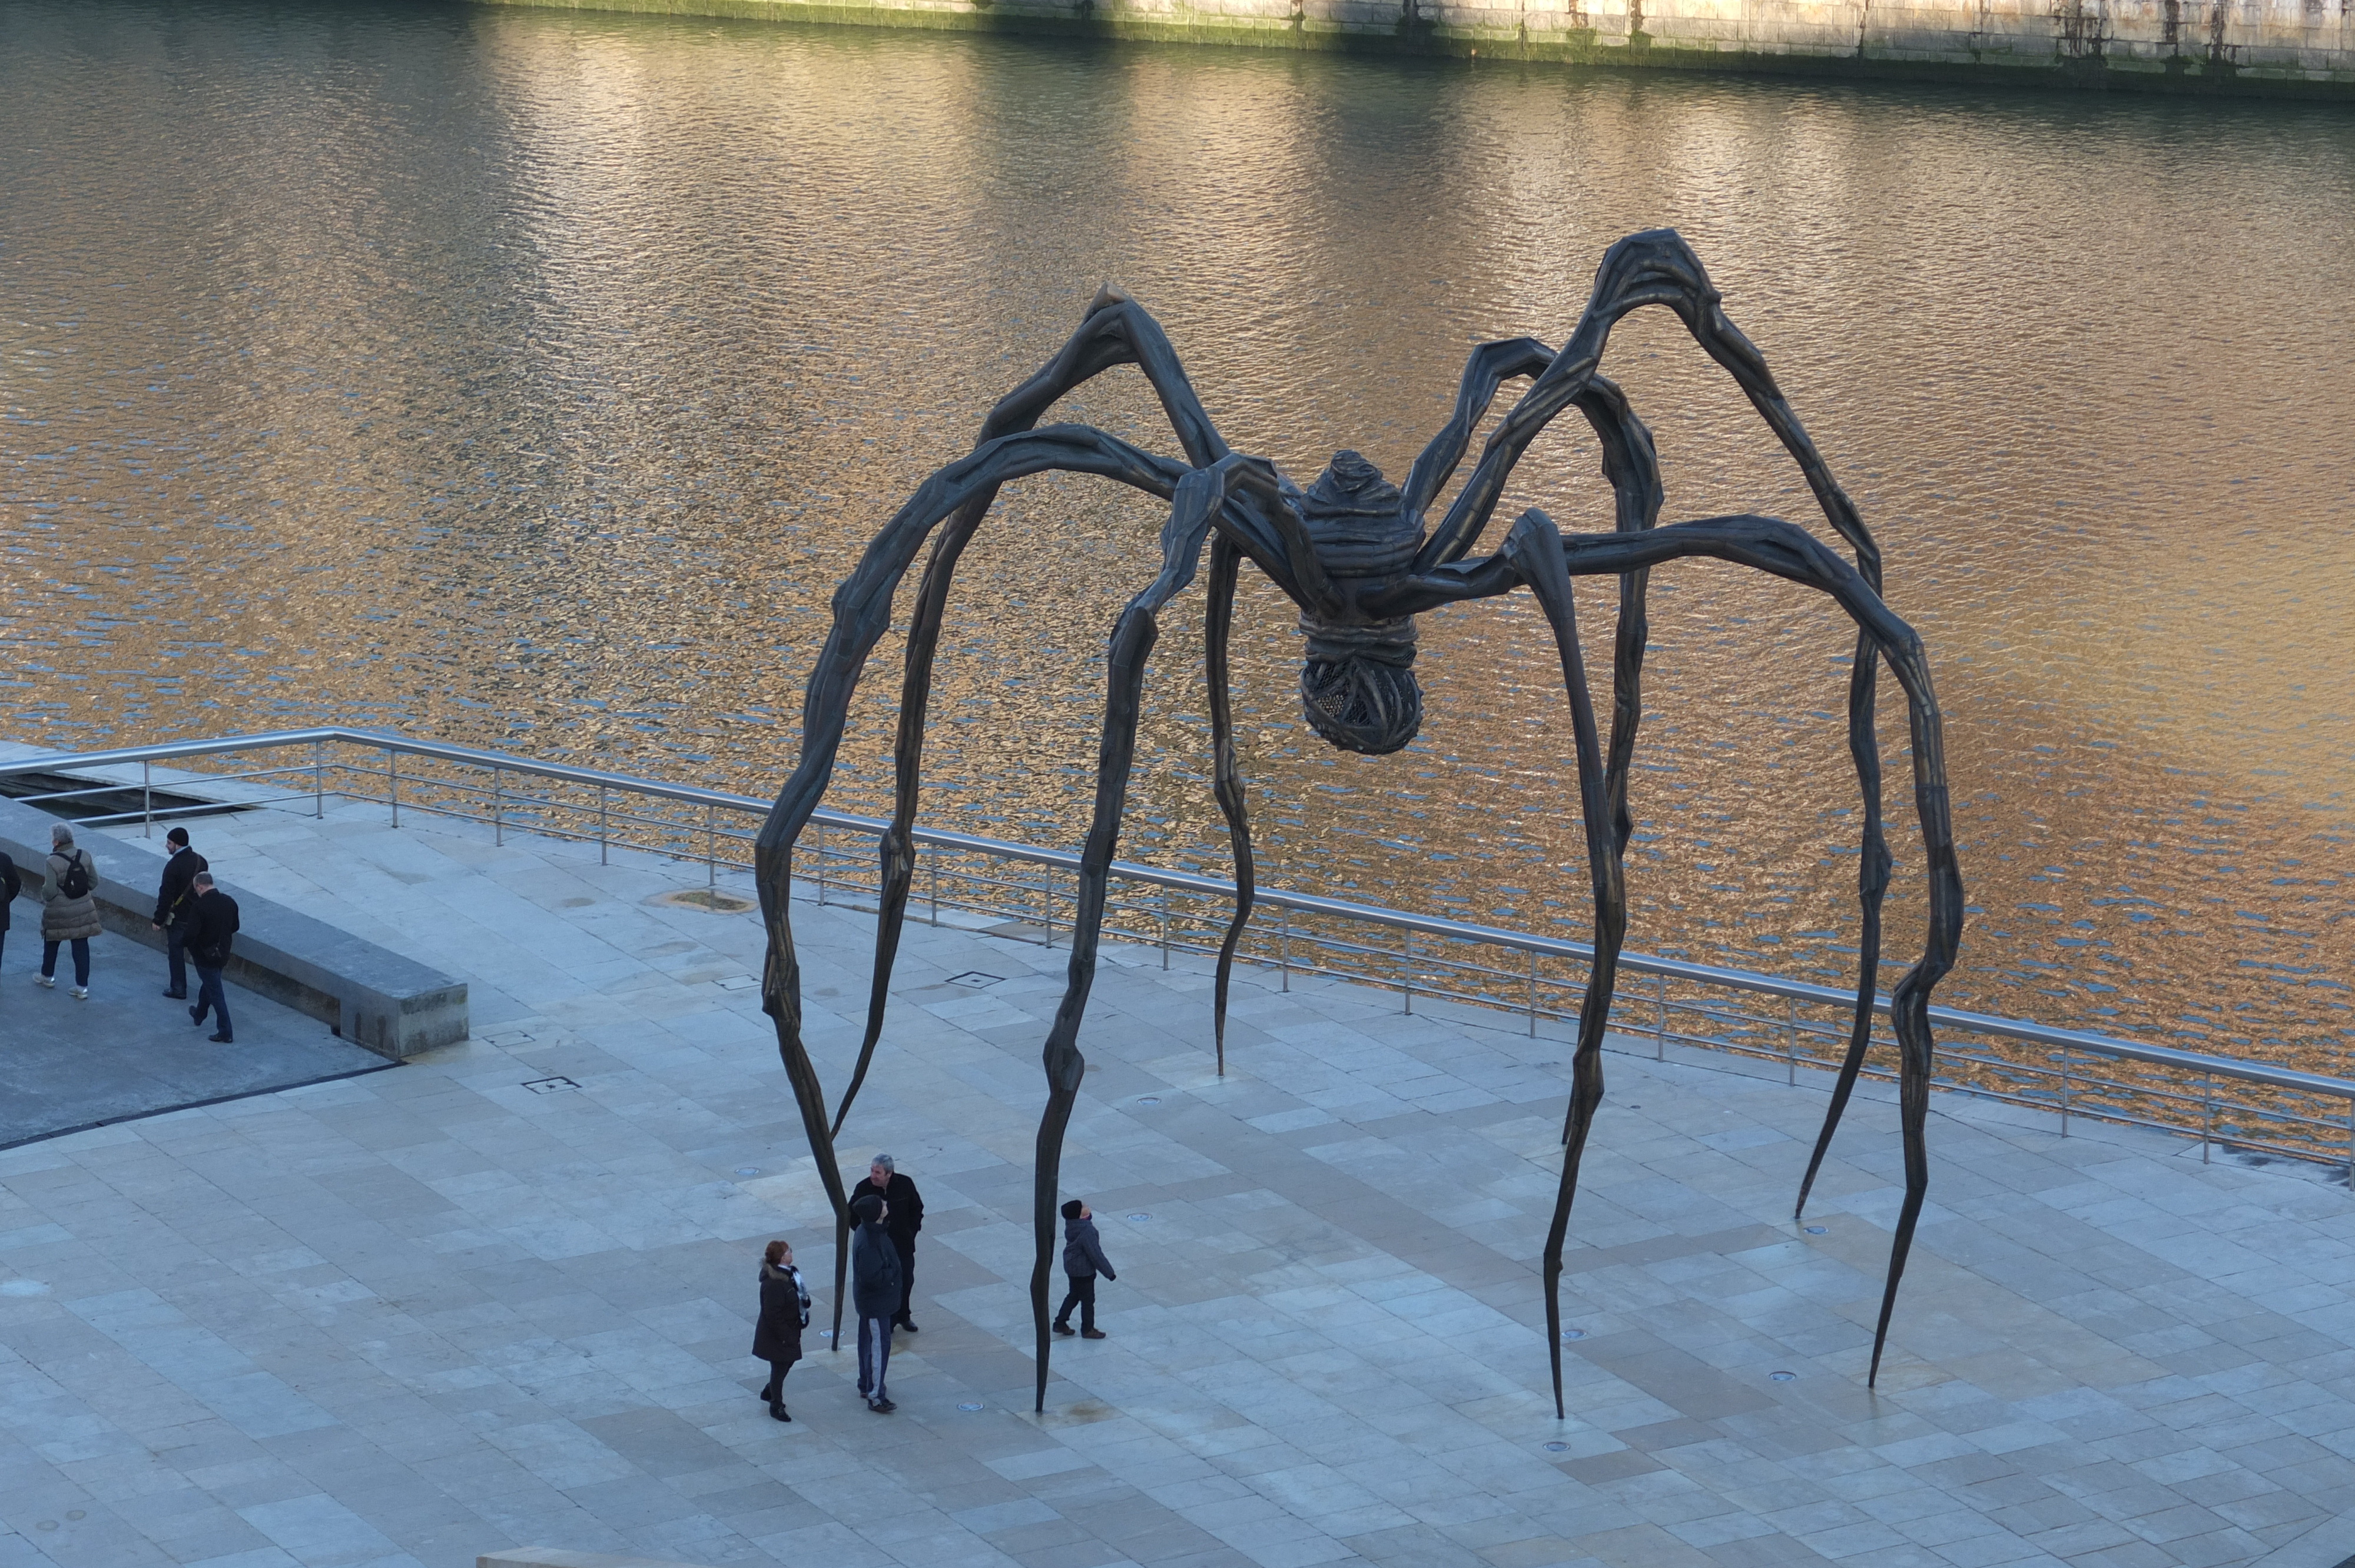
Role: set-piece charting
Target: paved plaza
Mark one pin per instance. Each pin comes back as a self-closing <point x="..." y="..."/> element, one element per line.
<point x="503" y="1295"/>
<point x="128" y="1052"/>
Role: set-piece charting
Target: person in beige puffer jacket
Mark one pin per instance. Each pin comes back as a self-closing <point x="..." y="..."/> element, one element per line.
<point x="65" y="918"/>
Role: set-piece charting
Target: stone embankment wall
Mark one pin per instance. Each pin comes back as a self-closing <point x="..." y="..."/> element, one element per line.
<point x="2245" y="48"/>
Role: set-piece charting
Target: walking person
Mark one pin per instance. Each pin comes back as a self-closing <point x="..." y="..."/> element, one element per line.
<point x="68" y="909"/>
<point x="784" y="1313"/>
<point x="1084" y="1259"/>
<point x="875" y="1294"/>
<point x="11" y="885"/>
<point x="210" y="930"/>
<point x="176" y="906"/>
<point x="906" y="1205"/>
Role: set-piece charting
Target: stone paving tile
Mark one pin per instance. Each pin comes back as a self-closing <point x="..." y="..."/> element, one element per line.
<point x="405" y="1319"/>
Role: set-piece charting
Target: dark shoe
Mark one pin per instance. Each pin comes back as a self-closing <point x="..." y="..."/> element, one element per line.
<point x="196" y="1017"/>
<point x="905" y="1323"/>
<point x="1063" y="1327"/>
<point x="777" y="1413"/>
<point x="881" y="1406"/>
<point x="1091" y="1333"/>
<point x="225" y="1039"/>
<point x="177" y="995"/>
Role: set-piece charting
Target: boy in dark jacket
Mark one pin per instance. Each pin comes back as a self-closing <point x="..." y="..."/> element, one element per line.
<point x="1084" y="1259"/>
<point x="875" y="1295"/>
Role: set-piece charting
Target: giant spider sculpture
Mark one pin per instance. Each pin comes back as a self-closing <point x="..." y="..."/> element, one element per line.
<point x="1353" y="552"/>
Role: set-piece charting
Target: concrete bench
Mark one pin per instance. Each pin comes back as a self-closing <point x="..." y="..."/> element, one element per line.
<point x="369" y="995"/>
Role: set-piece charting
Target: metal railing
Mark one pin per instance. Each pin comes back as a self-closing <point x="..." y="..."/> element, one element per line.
<point x="2232" y="1103"/>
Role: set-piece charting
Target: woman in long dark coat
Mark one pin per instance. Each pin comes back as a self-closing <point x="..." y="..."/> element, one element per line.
<point x="784" y="1313"/>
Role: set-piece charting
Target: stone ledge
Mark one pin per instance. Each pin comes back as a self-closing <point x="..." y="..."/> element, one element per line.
<point x="369" y="995"/>
<point x="558" y="1557"/>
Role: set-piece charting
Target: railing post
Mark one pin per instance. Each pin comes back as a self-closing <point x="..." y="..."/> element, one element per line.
<point x="1660" y="1034"/>
<point x="2207" y="1114"/>
<point x="1407" y="951"/>
<point x="1791" y="1040"/>
<point x="1047" y="903"/>
<point x="711" y="847"/>
<point x="392" y="778"/>
<point x="2064" y="1093"/>
<point x="1162" y="914"/>
<point x="2350" y="1147"/>
<point x="936" y="882"/>
<point x="498" y="806"/>
<point x="146" y="798"/>
<point x="602" y="851"/>
<point x="817" y="856"/>
<point x="318" y="779"/>
<point x="1284" y="950"/>
<point x="1533" y="993"/>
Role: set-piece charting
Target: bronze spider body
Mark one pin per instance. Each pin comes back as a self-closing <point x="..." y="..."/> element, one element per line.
<point x="1361" y="558"/>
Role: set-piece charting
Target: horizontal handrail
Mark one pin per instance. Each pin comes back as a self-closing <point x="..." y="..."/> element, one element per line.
<point x="1195" y="884"/>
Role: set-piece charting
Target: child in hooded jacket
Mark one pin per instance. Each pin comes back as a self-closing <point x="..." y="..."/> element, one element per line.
<point x="1084" y="1259"/>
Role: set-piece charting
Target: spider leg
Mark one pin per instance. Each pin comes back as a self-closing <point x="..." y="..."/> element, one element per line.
<point x="1658" y="268"/>
<point x="1200" y="503"/>
<point x="1491" y="364"/>
<point x="862" y="611"/>
<point x="1773" y="545"/>
<point x="1115" y="330"/>
<point x="1226" y="782"/>
<point x="1534" y="550"/>
<point x="1632" y="467"/>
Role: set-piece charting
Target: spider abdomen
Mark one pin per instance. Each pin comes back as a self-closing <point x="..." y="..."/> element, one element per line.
<point x="1357" y="688"/>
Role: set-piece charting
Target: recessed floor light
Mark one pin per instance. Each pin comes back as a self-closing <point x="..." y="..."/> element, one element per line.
<point x="1781" y="1376"/>
<point x="1573" y="1333"/>
<point x="973" y="1406"/>
<point x="1557" y="1447"/>
<point x="748" y="1171"/>
<point x="1816" y="1230"/>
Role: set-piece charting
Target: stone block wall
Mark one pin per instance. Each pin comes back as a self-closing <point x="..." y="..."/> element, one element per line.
<point x="2243" y="48"/>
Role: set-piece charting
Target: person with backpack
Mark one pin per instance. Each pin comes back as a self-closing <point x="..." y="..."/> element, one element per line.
<point x="68" y="909"/>
<point x="208" y="941"/>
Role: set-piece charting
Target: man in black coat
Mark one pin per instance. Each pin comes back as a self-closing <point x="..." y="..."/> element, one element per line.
<point x="214" y="923"/>
<point x="175" y="905"/>
<point x="899" y="1194"/>
<point x="11" y="885"/>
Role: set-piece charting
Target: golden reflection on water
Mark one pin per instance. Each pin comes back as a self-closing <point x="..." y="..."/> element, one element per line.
<point x="530" y="379"/>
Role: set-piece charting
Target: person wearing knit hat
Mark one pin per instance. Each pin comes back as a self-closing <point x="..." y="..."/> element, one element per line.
<point x="875" y="1293"/>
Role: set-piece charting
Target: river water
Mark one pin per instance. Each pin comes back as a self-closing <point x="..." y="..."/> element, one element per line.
<point x="529" y="378"/>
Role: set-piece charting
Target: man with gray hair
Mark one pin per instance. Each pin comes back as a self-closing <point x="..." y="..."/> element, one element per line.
<point x="904" y="1218"/>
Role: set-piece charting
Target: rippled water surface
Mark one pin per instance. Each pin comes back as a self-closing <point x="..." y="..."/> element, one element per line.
<point x="529" y="378"/>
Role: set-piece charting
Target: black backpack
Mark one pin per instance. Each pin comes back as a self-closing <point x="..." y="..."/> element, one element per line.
<point x="75" y="883"/>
